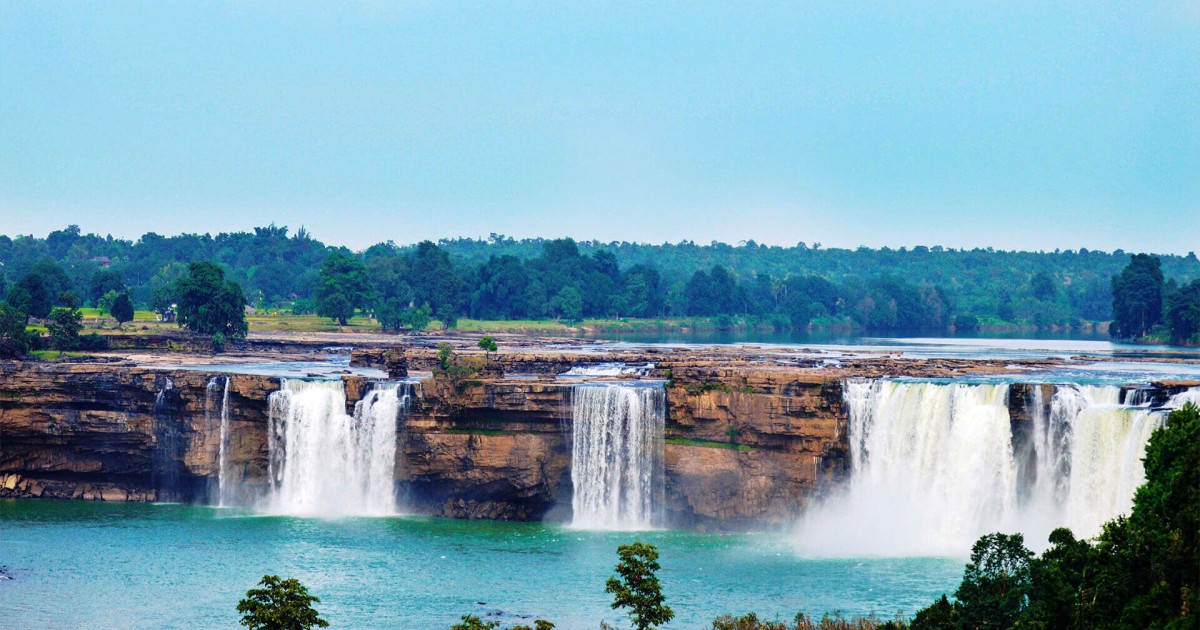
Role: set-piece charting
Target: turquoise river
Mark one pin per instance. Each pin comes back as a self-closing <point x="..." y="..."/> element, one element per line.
<point x="104" y="565"/>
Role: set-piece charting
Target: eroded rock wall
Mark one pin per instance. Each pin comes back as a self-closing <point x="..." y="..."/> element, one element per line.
<point x="97" y="431"/>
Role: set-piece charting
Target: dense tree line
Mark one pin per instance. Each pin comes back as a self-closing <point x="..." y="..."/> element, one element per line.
<point x="503" y="278"/>
<point x="1144" y="305"/>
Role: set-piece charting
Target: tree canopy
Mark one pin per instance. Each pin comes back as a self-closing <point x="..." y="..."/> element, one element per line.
<point x="1137" y="297"/>
<point x="281" y="604"/>
<point x="504" y="278"/>
<point x="209" y="304"/>
<point x="636" y="587"/>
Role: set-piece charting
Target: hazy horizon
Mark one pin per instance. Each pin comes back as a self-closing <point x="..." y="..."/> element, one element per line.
<point x="1013" y="126"/>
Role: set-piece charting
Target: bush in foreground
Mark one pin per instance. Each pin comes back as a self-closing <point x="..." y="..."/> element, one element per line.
<point x="280" y="605"/>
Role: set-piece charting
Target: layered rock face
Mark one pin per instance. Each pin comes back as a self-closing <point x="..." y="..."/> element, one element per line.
<point x="745" y="447"/>
<point x="497" y="450"/>
<point x="96" y="431"/>
<point x="750" y="444"/>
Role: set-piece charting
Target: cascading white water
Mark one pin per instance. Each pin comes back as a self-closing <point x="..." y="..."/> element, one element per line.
<point x="933" y="467"/>
<point x="324" y="462"/>
<point x="617" y="456"/>
<point x="1106" y="443"/>
<point x="225" y="480"/>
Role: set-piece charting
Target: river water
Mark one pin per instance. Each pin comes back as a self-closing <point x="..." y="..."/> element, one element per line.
<point x="103" y="565"/>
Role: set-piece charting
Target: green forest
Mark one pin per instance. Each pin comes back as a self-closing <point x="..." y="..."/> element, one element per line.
<point x="501" y="278"/>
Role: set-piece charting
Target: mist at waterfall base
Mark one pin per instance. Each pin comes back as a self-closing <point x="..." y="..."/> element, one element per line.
<point x="112" y="565"/>
<point x="933" y="466"/>
<point x="325" y="462"/>
<point x="617" y="455"/>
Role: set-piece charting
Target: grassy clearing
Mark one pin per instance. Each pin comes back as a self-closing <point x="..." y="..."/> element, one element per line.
<point x="54" y="355"/>
<point x="741" y="448"/>
<point x="512" y="325"/>
<point x="308" y="323"/>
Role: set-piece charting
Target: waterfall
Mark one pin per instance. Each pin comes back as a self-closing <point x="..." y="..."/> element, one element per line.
<point x="225" y="482"/>
<point x="167" y="444"/>
<point x="325" y="462"/>
<point x="933" y="467"/>
<point x="1106" y="443"/>
<point x="617" y="455"/>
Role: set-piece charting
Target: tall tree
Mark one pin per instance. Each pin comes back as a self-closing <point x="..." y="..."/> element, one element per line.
<point x="14" y="340"/>
<point x="64" y="326"/>
<point x="996" y="582"/>
<point x="1183" y="312"/>
<point x="122" y="309"/>
<point x="209" y="304"/>
<point x="342" y="287"/>
<point x="1137" y="297"/>
<point x="435" y="282"/>
<point x="636" y="587"/>
<point x="103" y="281"/>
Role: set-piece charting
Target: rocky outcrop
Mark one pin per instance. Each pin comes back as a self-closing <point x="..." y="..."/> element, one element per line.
<point x="749" y="442"/>
<point x="750" y="446"/>
<point x="390" y="360"/>
<point x="496" y="449"/>
<point x="96" y="431"/>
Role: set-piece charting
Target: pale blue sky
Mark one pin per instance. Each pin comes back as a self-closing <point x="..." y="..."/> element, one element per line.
<point x="1010" y="124"/>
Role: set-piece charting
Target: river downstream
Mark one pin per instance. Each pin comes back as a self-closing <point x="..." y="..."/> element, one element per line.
<point x="106" y="565"/>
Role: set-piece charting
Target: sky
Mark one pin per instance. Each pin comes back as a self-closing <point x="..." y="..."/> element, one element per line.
<point x="1016" y="125"/>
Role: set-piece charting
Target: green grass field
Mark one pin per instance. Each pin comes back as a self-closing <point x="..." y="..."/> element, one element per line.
<point x="146" y="322"/>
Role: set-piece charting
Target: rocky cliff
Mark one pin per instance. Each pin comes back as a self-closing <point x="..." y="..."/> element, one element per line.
<point x="747" y="444"/>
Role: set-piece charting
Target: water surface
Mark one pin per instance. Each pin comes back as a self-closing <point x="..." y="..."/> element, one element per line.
<point x="83" y="565"/>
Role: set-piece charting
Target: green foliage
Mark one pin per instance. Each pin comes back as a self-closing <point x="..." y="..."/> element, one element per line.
<point x="835" y="621"/>
<point x="1137" y="297"/>
<point x="14" y="340"/>
<point x="105" y="303"/>
<point x="1158" y="548"/>
<point x="1183" y="312"/>
<point x="1042" y="286"/>
<point x="20" y="300"/>
<point x="445" y="353"/>
<point x="488" y="345"/>
<point x="966" y="323"/>
<point x="635" y="586"/>
<point x="122" y="309"/>
<point x="210" y="304"/>
<point x="741" y="448"/>
<point x="1142" y="572"/>
<point x="996" y="582"/>
<point x="104" y="282"/>
<point x="941" y="615"/>
<point x="418" y="318"/>
<point x="64" y="326"/>
<point x="33" y="298"/>
<point x="505" y="278"/>
<point x="280" y="605"/>
<point x="1055" y="582"/>
<point x="568" y="304"/>
<point x="471" y="622"/>
<point x="342" y="287"/>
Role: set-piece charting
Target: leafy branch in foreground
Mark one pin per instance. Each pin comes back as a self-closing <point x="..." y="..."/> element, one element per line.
<point x="282" y="604"/>
<point x="636" y="586"/>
